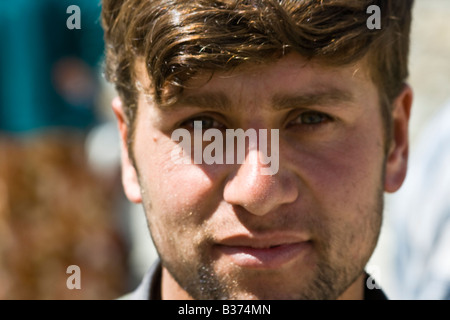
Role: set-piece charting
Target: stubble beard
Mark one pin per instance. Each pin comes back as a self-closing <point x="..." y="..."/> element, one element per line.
<point x="201" y="281"/>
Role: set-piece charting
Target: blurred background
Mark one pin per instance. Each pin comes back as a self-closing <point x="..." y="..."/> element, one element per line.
<point x="412" y="260"/>
<point x="61" y="199"/>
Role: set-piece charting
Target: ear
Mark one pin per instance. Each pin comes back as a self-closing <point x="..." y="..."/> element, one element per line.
<point x="130" y="179"/>
<point x="397" y="158"/>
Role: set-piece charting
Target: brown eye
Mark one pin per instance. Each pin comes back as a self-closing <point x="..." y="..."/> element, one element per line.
<point x="312" y="118"/>
<point x="202" y="122"/>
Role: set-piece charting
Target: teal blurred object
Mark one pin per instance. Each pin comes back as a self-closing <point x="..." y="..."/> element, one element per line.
<point x="48" y="73"/>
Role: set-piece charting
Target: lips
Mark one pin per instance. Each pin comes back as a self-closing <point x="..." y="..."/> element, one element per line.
<point x="263" y="253"/>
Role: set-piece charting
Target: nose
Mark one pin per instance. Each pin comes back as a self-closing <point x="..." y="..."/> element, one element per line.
<point x="259" y="193"/>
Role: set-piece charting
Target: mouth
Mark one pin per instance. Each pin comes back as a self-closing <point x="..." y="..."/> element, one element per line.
<point x="262" y="253"/>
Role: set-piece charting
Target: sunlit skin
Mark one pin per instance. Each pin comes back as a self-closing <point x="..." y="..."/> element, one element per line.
<point x="227" y="231"/>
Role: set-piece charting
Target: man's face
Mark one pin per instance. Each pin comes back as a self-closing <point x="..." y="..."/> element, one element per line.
<point x="228" y="231"/>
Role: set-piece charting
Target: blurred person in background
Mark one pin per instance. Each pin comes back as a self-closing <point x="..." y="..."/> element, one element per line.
<point x="49" y="73"/>
<point x="59" y="201"/>
<point x="56" y="212"/>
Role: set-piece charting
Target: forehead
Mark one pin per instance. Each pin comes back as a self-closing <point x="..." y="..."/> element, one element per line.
<point x="291" y="74"/>
<point x="286" y="74"/>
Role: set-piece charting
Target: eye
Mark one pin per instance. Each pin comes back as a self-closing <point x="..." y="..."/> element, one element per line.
<point x="311" y="118"/>
<point x="201" y="122"/>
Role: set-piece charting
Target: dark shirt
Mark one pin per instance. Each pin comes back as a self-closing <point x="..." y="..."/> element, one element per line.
<point x="150" y="287"/>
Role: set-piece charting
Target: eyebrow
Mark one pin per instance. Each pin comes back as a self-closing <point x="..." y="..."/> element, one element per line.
<point x="210" y="100"/>
<point x="329" y="97"/>
<point x="221" y="102"/>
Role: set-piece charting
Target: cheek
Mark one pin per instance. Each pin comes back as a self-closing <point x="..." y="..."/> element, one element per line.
<point x="349" y="183"/>
<point x="341" y="182"/>
<point x="343" y="175"/>
<point x="171" y="187"/>
<point x="177" y="199"/>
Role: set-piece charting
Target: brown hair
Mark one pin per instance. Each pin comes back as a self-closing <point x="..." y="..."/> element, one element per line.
<point x="178" y="38"/>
